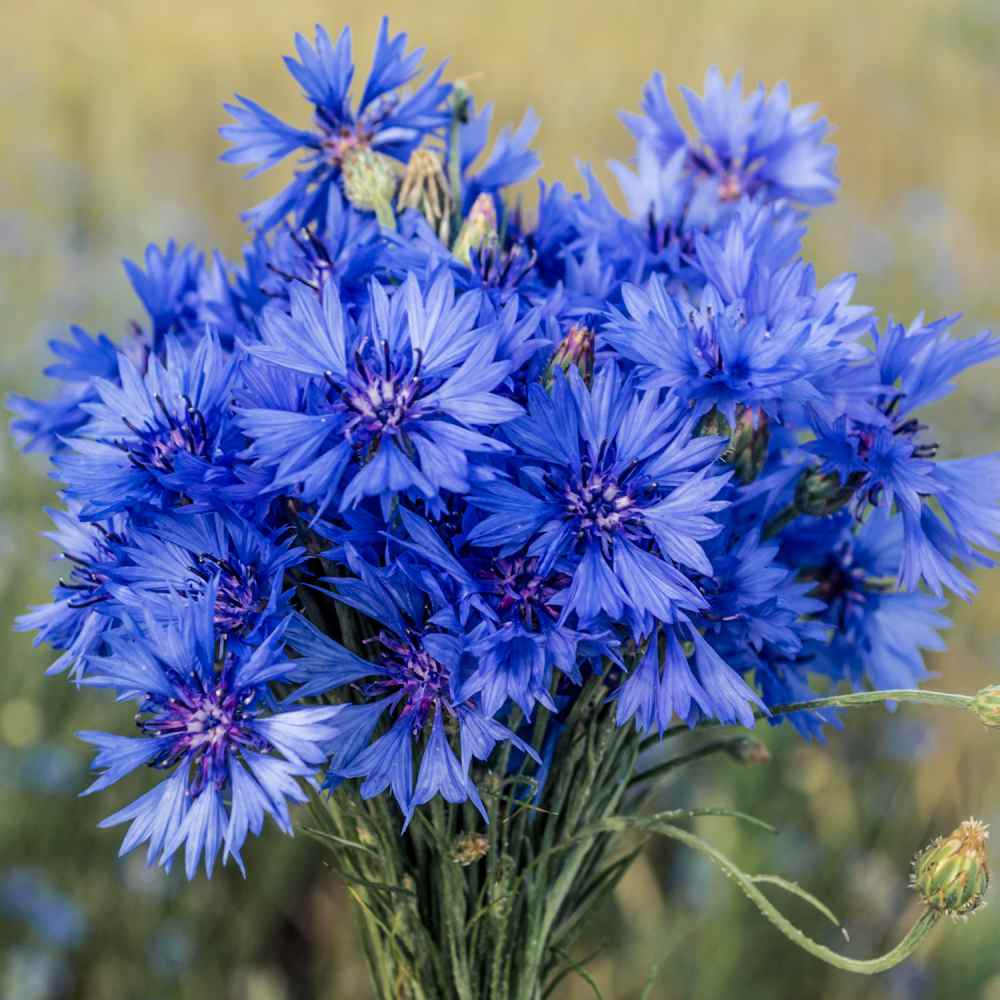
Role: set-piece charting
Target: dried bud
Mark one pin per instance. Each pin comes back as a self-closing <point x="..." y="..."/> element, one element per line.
<point x="822" y="493"/>
<point x="747" y="451"/>
<point x="986" y="705"/>
<point x="576" y="349"/>
<point x="479" y="231"/>
<point x="748" y="750"/>
<point x="951" y="874"/>
<point x="425" y="189"/>
<point x="469" y="848"/>
<point x="370" y="182"/>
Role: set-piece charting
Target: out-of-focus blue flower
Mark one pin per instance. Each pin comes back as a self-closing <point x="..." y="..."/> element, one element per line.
<point x="384" y="120"/>
<point x="206" y="715"/>
<point x="42" y="425"/>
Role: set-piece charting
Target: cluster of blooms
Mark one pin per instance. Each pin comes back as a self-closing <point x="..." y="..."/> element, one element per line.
<point x="360" y="504"/>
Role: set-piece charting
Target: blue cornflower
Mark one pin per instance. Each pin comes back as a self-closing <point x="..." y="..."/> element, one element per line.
<point x="235" y="754"/>
<point x="878" y="631"/>
<point x="394" y="406"/>
<point x="83" y="606"/>
<point x="169" y="288"/>
<point x="385" y="120"/>
<point x="414" y="677"/>
<point x="182" y="557"/>
<point x="681" y="674"/>
<point x="157" y="436"/>
<point x="754" y="145"/>
<point x="42" y="425"/>
<point x="879" y="448"/>
<point x="610" y="488"/>
<point x="509" y="611"/>
<point x="759" y="334"/>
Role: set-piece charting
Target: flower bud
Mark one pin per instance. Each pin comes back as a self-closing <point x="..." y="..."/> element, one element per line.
<point x="986" y="705"/>
<point x="425" y="189"/>
<point x="369" y="182"/>
<point x="951" y="874"/>
<point x="576" y="349"/>
<point x="747" y="451"/>
<point x="713" y="424"/>
<point x="822" y="493"/>
<point x="468" y="848"/>
<point x="479" y="231"/>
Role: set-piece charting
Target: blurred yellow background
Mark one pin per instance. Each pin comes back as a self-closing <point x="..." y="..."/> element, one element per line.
<point x="108" y="123"/>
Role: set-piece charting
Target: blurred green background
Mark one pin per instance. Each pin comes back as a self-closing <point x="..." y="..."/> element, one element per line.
<point x="108" y="118"/>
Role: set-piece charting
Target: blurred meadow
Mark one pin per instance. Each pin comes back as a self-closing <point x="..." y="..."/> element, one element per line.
<point x="108" y="117"/>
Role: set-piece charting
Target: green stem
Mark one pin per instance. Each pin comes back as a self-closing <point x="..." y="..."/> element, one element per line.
<point x="865" y="967"/>
<point x="459" y="109"/>
<point x="857" y="699"/>
<point x="667" y="766"/>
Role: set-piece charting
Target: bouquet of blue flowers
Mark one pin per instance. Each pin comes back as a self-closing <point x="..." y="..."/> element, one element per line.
<point x="440" y="519"/>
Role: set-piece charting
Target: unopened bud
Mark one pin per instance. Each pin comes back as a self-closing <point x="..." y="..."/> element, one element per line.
<point x="460" y="102"/>
<point x="747" y="451"/>
<point x="822" y="493"/>
<point x="951" y="874"/>
<point x="479" y="231"/>
<point x="748" y="750"/>
<point x="575" y="350"/>
<point x="469" y="848"/>
<point x="986" y="705"/>
<point x="713" y="424"/>
<point x="425" y="189"/>
<point x="370" y="182"/>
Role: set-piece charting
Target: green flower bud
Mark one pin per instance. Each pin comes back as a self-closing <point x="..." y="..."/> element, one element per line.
<point x="468" y="848"/>
<point x="479" y="231"/>
<point x="370" y="182"/>
<point x="425" y="188"/>
<point x="713" y="424"/>
<point x="951" y="874"/>
<point x="822" y="493"/>
<point x="747" y="451"/>
<point x="986" y="705"/>
<point x="748" y="440"/>
<point x="576" y="349"/>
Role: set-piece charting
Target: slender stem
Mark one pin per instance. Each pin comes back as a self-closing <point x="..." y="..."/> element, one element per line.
<point x="667" y="766"/>
<point x="856" y="699"/>
<point x="865" y="967"/>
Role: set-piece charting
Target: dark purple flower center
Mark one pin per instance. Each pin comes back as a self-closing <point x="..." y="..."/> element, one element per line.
<point x="600" y="506"/>
<point x="381" y="400"/>
<point x="423" y="681"/>
<point x="240" y="593"/>
<point x="88" y="576"/>
<point x="155" y="444"/>
<point x="204" y="726"/>
<point x="521" y="590"/>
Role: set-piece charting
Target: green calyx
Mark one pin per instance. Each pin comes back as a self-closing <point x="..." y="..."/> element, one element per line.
<point x="951" y="874"/>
